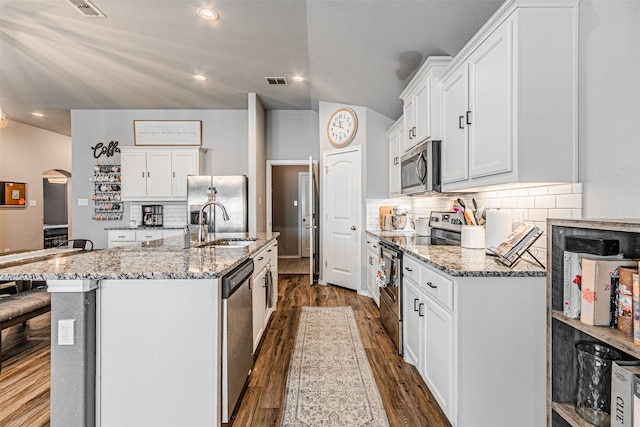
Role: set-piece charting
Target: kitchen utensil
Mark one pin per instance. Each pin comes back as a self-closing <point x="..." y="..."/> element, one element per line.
<point x="475" y="205"/>
<point x="461" y="216"/>
<point x="468" y="214"/>
<point x="480" y="215"/>
<point x="461" y="203"/>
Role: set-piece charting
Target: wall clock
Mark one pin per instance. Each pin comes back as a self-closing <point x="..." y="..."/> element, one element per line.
<point x="342" y="127"/>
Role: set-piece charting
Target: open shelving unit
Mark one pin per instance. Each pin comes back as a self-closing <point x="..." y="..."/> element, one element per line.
<point x="563" y="332"/>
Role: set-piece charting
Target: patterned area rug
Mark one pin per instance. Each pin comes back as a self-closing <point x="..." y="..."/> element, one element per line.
<point x="330" y="382"/>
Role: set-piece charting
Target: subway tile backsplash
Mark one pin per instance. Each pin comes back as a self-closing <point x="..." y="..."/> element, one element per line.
<point x="532" y="204"/>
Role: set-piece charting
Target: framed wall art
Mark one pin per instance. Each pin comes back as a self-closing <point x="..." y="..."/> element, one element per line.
<point x="167" y="132"/>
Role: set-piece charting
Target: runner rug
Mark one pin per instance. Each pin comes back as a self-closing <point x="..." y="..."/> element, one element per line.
<point x="330" y="382"/>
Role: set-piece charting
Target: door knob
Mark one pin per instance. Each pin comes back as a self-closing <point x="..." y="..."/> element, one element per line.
<point x="353" y="227"/>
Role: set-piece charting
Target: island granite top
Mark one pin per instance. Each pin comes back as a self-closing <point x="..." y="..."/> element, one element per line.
<point x="456" y="260"/>
<point x="155" y="259"/>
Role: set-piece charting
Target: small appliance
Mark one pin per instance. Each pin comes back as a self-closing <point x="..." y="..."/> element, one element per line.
<point x="446" y="228"/>
<point x="420" y="169"/>
<point x="401" y="219"/>
<point x="152" y="215"/>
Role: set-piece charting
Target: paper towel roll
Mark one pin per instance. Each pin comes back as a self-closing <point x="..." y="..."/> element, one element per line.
<point x="498" y="226"/>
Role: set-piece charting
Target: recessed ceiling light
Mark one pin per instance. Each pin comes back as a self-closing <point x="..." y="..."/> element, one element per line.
<point x="199" y="77"/>
<point x="298" y="78"/>
<point x="36" y="114"/>
<point x="208" y="13"/>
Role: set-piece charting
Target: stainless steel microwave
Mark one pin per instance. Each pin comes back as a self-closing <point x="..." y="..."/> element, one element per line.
<point x="420" y="169"/>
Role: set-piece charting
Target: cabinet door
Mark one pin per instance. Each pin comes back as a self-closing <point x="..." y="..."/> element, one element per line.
<point x="182" y="164"/>
<point x="454" y="139"/>
<point x="158" y="174"/>
<point x="422" y="110"/>
<point x="438" y="353"/>
<point x="409" y="140"/>
<point x="395" y="139"/>
<point x="372" y="270"/>
<point x="413" y="324"/>
<point x="258" y="297"/>
<point x="133" y="174"/>
<point x="490" y="103"/>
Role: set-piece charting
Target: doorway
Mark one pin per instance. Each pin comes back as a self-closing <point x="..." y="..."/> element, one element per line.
<point x="55" y="207"/>
<point x="291" y="203"/>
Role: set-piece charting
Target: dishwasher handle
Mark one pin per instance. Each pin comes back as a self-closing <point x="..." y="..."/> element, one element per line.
<point x="233" y="280"/>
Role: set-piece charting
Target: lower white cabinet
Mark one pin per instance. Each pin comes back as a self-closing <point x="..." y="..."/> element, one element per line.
<point x="373" y="258"/>
<point x="126" y="237"/>
<point x="264" y="289"/>
<point x="479" y="343"/>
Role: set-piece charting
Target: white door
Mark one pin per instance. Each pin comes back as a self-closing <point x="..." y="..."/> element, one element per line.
<point x="454" y="139"/>
<point x="304" y="218"/>
<point x="422" y="110"/>
<point x="342" y="200"/>
<point x="313" y="223"/>
<point x="134" y="174"/>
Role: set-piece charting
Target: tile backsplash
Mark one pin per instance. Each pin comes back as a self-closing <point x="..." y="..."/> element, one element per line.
<point x="529" y="204"/>
<point x="174" y="213"/>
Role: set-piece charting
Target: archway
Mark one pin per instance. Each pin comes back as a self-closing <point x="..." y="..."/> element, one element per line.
<point x="56" y="206"/>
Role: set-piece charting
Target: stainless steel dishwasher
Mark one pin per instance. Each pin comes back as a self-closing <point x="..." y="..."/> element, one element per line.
<point x="237" y="335"/>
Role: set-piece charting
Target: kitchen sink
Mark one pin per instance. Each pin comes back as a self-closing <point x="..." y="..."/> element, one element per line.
<point x="230" y="242"/>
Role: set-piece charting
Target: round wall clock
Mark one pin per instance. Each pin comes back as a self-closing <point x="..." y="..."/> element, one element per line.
<point x="342" y="127"/>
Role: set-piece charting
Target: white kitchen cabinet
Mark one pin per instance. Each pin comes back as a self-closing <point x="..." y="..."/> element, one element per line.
<point x="159" y="174"/>
<point x="373" y="259"/>
<point x="264" y="263"/>
<point x="472" y="338"/>
<point x="422" y="103"/>
<point x="510" y="102"/>
<point x="396" y="139"/>
<point x="126" y="237"/>
<point x="146" y="235"/>
<point x="121" y="238"/>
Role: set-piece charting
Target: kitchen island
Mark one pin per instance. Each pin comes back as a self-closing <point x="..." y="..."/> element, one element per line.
<point x="136" y="330"/>
<point x="475" y="331"/>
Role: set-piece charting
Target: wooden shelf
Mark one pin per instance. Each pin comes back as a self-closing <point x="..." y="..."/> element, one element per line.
<point x="568" y="412"/>
<point x="612" y="337"/>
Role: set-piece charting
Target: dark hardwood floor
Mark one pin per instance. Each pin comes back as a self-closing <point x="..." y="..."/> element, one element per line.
<point x="25" y="376"/>
<point x="406" y="398"/>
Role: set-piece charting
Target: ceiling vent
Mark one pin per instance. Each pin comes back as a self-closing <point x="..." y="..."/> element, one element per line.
<point x="276" y="81"/>
<point x="86" y="9"/>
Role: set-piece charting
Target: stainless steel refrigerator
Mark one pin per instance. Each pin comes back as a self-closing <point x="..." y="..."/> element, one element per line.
<point x="231" y="191"/>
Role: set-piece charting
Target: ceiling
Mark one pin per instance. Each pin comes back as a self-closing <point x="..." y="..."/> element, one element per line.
<point x="143" y="54"/>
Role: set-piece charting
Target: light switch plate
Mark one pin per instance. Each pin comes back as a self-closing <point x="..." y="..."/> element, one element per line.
<point x="83" y="202"/>
<point x="33" y="203"/>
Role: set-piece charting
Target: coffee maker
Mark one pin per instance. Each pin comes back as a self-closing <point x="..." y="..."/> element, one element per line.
<point x="152" y="215"/>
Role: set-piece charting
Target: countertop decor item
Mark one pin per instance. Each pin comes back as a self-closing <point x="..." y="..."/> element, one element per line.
<point x="330" y="381"/>
<point x="342" y="127"/>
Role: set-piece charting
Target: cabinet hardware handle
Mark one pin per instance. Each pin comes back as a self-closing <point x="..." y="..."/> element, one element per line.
<point x="460" y="125"/>
<point x="415" y="300"/>
<point x="408" y="269"/>
<point x="174" y="174"/>
<point x="353" y="227"/>
<point x="148" y="174"/>
<point x="431" y="285"/>
<point x="261" y="258"/>
<point x="468" y="117"/>
<point x="269" y="250"/>
<point x="420" y="313"/>
<point x="414" y="132"/>
<point x="143" y="174"/>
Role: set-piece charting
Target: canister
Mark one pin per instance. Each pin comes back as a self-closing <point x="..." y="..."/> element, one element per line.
<point x="472" y="237"/>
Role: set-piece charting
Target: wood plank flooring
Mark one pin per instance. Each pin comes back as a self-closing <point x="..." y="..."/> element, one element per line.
<point x="406" y="398"/>
<point x="293" y="265"/>
<point x="25" y="376"/>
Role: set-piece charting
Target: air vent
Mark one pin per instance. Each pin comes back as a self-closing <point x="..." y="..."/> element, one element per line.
<point x="276" y="81"/>
<point x="86" y="9"/>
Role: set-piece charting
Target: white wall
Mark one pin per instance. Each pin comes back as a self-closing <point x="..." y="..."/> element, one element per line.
<point x="224" y="135"/>
<point x="292" y="135"/>
<point x="25" y="153"/>
<point x="609" y="81"/>
<point x="257" y="141"/>
<point x="376" y="167"/>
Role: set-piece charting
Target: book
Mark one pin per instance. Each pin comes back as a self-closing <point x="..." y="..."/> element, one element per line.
<point x="636" y="308"/>
<point x="636" y="401"/>
<point x="572" y="279"/>
<point x="622" y="373"/>
<point x="625" y="300"/>
<point x="517" y="240"/>
<point x="596" y="289"/>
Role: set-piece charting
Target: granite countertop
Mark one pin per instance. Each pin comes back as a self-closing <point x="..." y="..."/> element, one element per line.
<point x="156" y="259"/>
<point x="456" y="260"/>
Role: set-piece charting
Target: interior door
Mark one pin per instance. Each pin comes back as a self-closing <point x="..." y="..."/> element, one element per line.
<point x="304" y="190"/>
<point x="342" y="198"/>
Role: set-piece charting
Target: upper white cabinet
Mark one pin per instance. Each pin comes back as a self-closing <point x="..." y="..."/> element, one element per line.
<point x="510" y="99"/>
<point x="396" y="139"/>
<point x="421" y="103"/>
<point x="159" y="174"/>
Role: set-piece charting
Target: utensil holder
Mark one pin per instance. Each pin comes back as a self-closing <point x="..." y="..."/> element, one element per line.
<point x="472" y="237"/>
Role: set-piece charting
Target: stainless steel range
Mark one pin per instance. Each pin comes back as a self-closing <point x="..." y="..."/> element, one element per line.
<point x="446" y="229"/>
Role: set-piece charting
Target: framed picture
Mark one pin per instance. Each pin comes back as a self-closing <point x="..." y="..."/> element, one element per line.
<point x="13" y="194"/>
<point x="167" y="132"/>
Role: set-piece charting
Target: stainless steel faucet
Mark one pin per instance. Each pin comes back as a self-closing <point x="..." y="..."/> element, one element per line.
<point x="211" y="202"/>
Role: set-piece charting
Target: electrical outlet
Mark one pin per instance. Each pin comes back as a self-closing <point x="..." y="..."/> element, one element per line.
<point x="295" y="203"/>
<point x="66" y="331"/>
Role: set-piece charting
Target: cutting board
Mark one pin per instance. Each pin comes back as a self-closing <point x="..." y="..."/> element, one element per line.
<point x="384" y="210"/>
